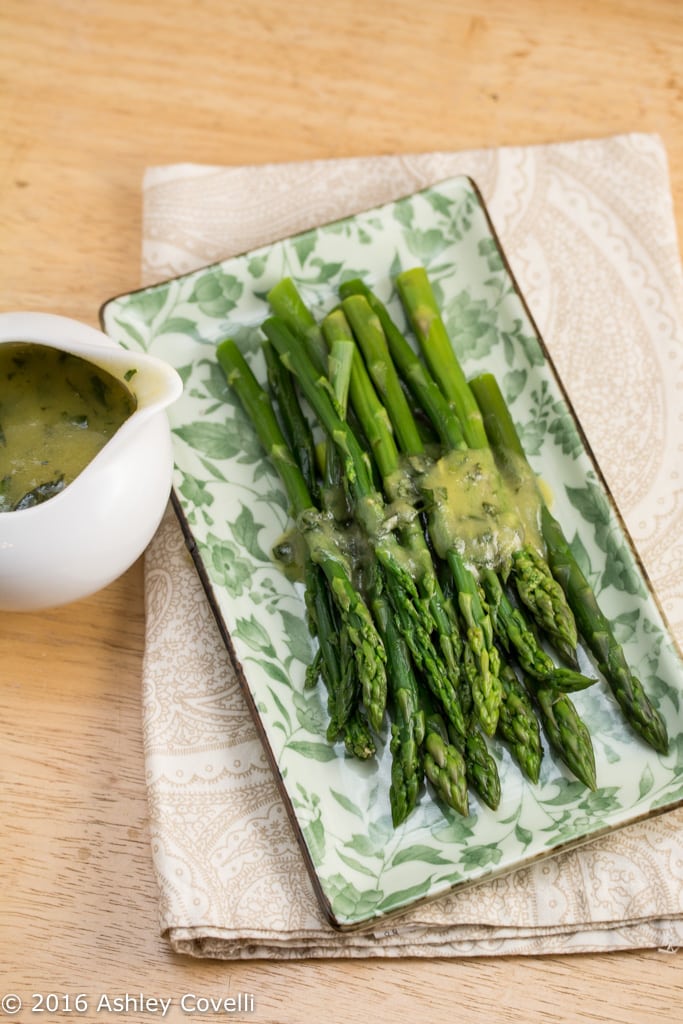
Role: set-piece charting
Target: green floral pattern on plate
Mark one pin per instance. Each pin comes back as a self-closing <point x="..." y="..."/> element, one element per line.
<point x="235" y="509"/>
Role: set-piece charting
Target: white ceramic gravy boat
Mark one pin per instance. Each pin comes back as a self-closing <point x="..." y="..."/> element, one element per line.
<point x="86" y="536"/>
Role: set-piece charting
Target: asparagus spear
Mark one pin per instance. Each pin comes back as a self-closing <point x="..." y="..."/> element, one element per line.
<point x="287" y="304"/>
<point x="424" y="388"/>
<point x="597" y="632"/>
<point x="372" y="341"/>
<point x="444" y="764"/>
<point x="573" y="746"/>
<point x="334" y="661"/>
<point x="480" y="654"/>
<point x="536" y="586"/>
<point x="425" y="318"/>
<point x="480" y="766"/>
<point x="368" y="649"/>
<point x="441" y="673"/>
<point x="593" y="624"/>
<point x="407" y="717"/>
<point x="370" y="510"/>
<point x="514" y="632"/>
<point x="518" y="724"/>
<point x="540" y="592"/>
<point x="295" y="427"/>
<point x="509" y="622"/>
<point x="481" y="769"/>
<point x="567" y="733"/>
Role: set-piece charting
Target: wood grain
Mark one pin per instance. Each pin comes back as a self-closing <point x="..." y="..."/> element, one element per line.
<point x="90" y="95"/>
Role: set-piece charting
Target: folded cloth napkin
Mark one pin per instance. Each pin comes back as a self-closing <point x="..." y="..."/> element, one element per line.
<point x="589" y="230"/>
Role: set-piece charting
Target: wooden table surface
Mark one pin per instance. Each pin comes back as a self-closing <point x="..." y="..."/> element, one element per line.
<point x="90" y="94"/>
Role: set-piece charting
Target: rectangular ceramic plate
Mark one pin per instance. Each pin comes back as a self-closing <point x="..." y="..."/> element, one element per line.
<point x="233" y="509"/>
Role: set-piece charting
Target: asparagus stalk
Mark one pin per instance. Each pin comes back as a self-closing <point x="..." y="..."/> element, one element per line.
<point x="334" y="661"/>
<point x="372" y="341"/>
<point x="423" y="312"/>
<point x="442" y="673"/>
<point x="295" y="427"/>
<point x="369" y="333"/>
<point x="597" y="632"/>
<point x="423" y="386"/>
<point x="518" y="724"/>
<point x="444" y="764"/>
<point x="480" y="766"/>
<point x="540" y="591"/>
<point x="368" y="649"/>
<point x="370" y="510"/>
<point x="415" y="629"/>
<point x="593" y="625"/>
<point x="336" y="665"/>
<point x="536" y="586"/>
<point x="407" y="717"/>
<point x="567" y="733"/>
<point x="287" y="304"/>
<point x="334" y="494"/>
<point x="513" y="632"/>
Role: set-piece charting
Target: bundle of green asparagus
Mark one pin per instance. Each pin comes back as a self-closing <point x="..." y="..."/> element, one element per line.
<point x="436" y="579"/>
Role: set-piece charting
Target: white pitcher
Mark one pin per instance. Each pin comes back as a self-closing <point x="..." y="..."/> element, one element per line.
<point x="86" y="536"/>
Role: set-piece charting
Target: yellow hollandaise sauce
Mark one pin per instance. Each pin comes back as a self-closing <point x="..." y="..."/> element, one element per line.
<point x="476" y="510"/>
<point x="57" y="411"/>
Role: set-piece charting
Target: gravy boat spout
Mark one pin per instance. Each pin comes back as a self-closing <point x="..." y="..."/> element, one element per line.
<point x="88" y="534"/>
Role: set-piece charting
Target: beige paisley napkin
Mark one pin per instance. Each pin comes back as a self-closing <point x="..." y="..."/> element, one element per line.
<point x="589" y="230"/>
